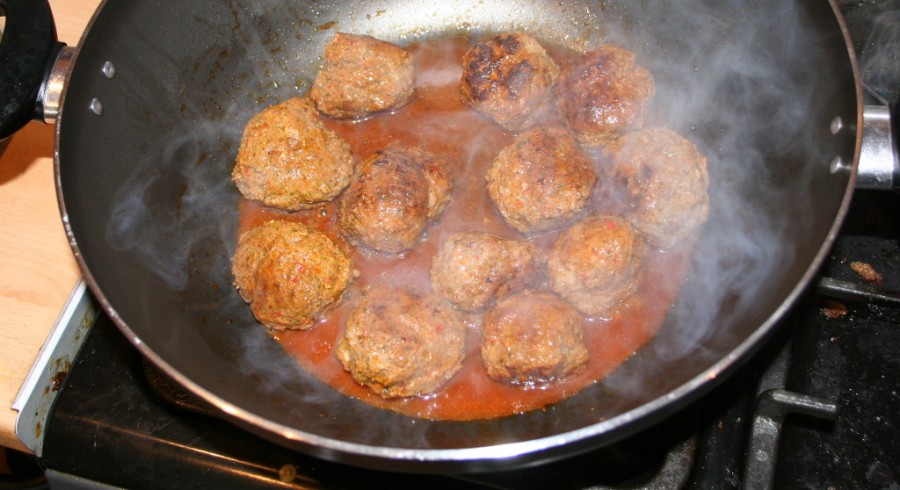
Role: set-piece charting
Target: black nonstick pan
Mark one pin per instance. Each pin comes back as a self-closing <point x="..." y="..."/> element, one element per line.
<point x="151" y="117"/>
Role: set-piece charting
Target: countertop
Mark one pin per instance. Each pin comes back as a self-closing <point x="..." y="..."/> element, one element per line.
<point x="39" y="270"/>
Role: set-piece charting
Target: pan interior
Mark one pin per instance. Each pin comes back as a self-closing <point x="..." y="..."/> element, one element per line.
<point x="147" y="192"/>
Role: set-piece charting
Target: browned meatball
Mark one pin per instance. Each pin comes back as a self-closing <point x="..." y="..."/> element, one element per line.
<point x="401" y="344"/>
<point x="289" y="273"/>
<point x="510" y="78"/>
<point x="362" y="75"/>
<point x="541" y="181"/>
<point x="595" y="263"/>
<point x="396" y="193"/>
<point x="604" y="94"/>
<point x="666" y="179"/>
<point x="532" y="337"/>
<point x="288" y="159"/>
<point x="472" y="269"/>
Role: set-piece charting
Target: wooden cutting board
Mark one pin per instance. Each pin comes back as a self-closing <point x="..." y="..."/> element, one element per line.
<point x="37" y="269"/>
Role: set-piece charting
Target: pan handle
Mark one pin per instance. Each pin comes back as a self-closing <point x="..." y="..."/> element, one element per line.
<point x="879" y="167"/>
<point x="28" y="50"/>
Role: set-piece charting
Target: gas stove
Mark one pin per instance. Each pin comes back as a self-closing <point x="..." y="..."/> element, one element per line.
<point x="816" y="408"/>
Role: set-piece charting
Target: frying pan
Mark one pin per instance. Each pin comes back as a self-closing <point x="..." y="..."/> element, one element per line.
<point x="152" y="114"/>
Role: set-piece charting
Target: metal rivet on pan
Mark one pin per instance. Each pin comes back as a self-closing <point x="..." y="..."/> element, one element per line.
<point x="109" y="70"/>
<point x="837" y="124"/>
<point x="96" y="106"/>
<point x="838" y="165"/>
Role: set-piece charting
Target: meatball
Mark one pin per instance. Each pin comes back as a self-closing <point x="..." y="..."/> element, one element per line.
<point x="289" y="273"/>
<point x="595" y="263"/>
<point x="401" y="344"/>
<point x="665" y="179"/>
<point x="532" y="337"/>
<point x="603" y="94"/>
<point x="541" y="181"/>
<point x="396" y="193"/>
<point x="472" y="269"/>
<point x="362" y="75"/>
<point x="289" y="160"/>
<point x="509" y="78"/>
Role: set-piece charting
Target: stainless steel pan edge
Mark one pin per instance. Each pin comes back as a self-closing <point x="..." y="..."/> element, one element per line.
<point x="496" y="454"/>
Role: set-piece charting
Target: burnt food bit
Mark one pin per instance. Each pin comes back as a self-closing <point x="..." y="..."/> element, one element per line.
<point x="603" y="94"/>
<point x="289" y="160"/>
<point x="868" y="273"/>
<point x="289" y="273"/>
<point x="510" y="79"/>
<point x="531" y="338"/>
<point x="401" y="344"/>
<point x="395" y="195"/>
<point x="834" y="309"/>
<point x="473" y="269"/>
<point x="665" y="180"/>
<point x="362" y="75"/>
<point x="596" y="263"/>
<point x="541" y="181"/>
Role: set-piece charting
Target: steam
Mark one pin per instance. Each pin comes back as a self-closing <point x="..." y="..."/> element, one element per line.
<point x="180" y="194"/>
<point x="723" y="81"/>
<point x="879" y="57"/>
<point x="163" y="228"/>
<point x="737" y="80"/>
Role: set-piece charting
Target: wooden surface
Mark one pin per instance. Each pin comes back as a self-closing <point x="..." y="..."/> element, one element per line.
<point x="37" y="269"/>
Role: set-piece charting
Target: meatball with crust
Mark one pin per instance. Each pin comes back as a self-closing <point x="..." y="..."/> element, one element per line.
<point x="532" y="337"/>
<point x="603" y="94"/>
<point x="541" y="181"/>
<point x="395" y="195"/>
<point x="473" y="269"/>
<point x="289" y="160"/>
<point x="596" y="263"/>
<point x="401" y="344"/>
<point x="289" y="273"/>
<point x="509" y="78"/>
<point x="665" y="179"/>
<point x="363" y="75"/>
